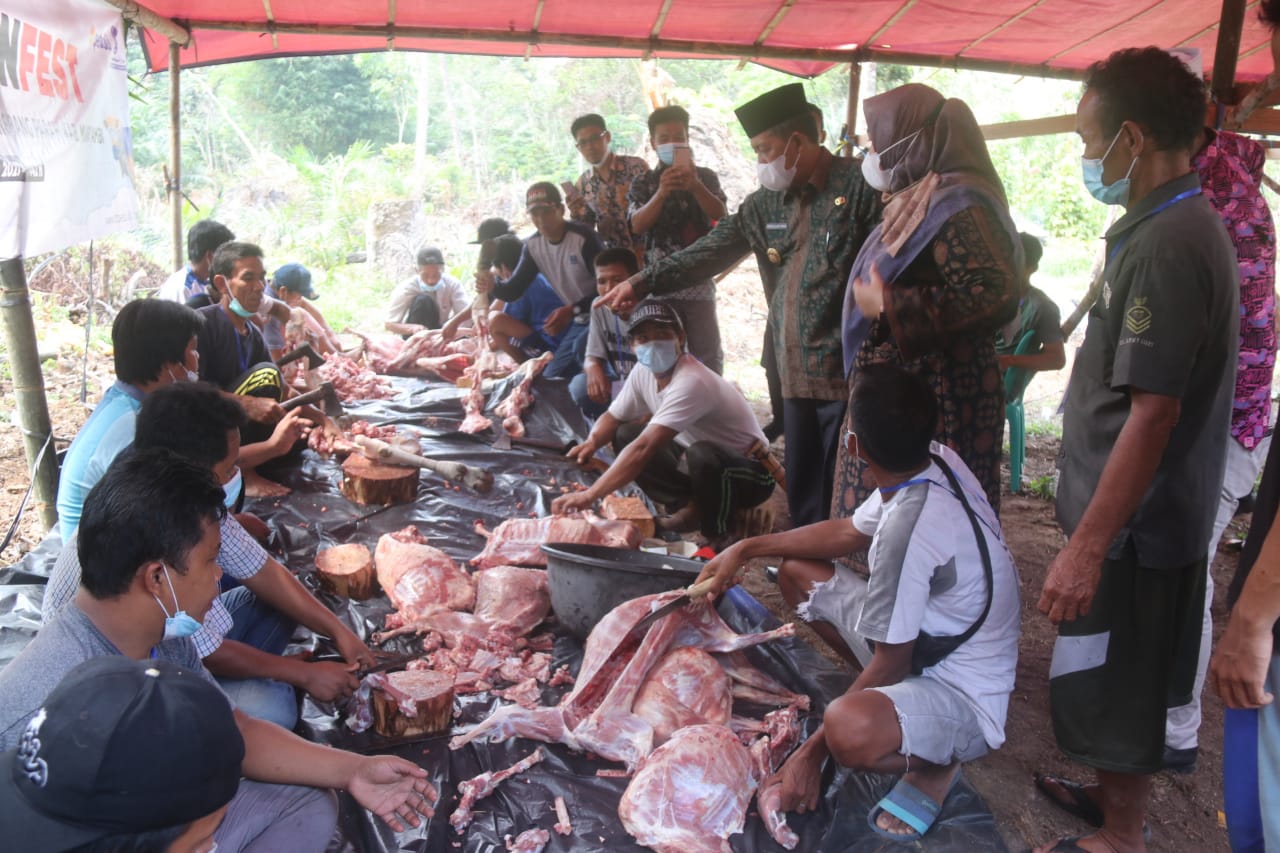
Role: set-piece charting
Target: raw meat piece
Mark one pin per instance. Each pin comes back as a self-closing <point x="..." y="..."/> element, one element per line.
<point x="352" y="381"/>
<point x="520" y="398"/>
<point x="691" y="793"/>
<point x="563" y="826"/>
<point x="326" y="443"/>
<point x="752" y="685"/>
<point x="378" y="350"/>
<point x="512" y="598"/>
<point x="517" y="541"/>
<point x="418" y="578"/>
<point x="473" y="401"/>
<point x="447" y="367"/>
<point x="529" y="841"/>
<point x="686" y="688"/>
<point x="526" y="694"/>
<point x="479" y="787"/>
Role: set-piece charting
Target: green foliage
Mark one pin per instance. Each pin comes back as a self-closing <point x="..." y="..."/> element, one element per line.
<point x="1044" y="487"/>
<point x="323" y="103"/>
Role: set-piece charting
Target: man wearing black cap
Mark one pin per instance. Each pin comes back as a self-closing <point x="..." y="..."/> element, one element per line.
<point x="124" y="752"/>
<point x="680" y="431"/>
<point x="564" y="253"/>
<point x="148" y="543"/>
<point x="428" y="299"/>
<point x="805" y="226"/>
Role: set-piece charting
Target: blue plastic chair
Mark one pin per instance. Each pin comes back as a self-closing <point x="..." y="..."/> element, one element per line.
<point x="1016" y="380"/>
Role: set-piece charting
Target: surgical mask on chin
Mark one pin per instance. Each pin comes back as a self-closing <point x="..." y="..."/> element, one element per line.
<point x="658" y="356"/>
<point x="180" y="624"/>
<point x="191" y="375"/>
<point x="239" y="310"/>
<point x="667" y="153"/>
<point x="1114" y="193"/>
<point x="775" y="175"/>
<point x="608" y="149"/>
<point x="231" y="489"/>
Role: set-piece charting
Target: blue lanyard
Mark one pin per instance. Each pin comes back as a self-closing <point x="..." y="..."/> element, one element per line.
<point x="891" y="489"/>
<point x="1124" y="238"/>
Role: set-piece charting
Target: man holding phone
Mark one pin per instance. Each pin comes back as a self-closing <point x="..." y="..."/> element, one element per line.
<point x="671" y="207"/>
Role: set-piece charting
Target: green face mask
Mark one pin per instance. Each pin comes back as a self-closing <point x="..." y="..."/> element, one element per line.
<point x="239" y="310"/>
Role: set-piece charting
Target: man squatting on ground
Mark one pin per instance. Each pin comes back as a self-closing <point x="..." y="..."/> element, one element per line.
<point x="940" y="604"/>
<point x="148" y="546"/>
<point x="429" y="300"/>
<point x="680" y="431"/>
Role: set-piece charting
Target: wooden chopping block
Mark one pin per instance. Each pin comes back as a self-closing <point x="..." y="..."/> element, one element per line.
<point x="365" y="481"/>
<point x="347" y="570"/>
<point x="752" y="521"/>
<point x="413" y="702"/>
<point x="633" y="510"/>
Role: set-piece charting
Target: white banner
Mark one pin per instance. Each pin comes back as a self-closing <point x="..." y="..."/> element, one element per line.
<point x="66" y="152"/>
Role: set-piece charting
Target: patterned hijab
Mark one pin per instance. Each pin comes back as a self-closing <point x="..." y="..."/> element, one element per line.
<point x="940" y="168"/>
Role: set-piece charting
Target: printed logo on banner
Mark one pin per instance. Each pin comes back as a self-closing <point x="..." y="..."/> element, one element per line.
<point x="66" y="148"/>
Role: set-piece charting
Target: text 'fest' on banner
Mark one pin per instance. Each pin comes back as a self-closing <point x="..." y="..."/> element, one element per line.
<point x="66" y="150"/>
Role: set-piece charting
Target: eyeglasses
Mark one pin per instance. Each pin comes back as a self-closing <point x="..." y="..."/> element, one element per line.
<point x="590" y="140"/>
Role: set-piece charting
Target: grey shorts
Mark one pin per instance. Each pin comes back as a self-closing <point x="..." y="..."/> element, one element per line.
<point x="838" y="602"/>
<point x="937" y="723"/>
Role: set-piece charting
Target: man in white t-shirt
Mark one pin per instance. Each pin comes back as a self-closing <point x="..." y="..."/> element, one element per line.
<point x="941" y="608"/>
<point x="429" y="299"/>
<point x="692" y="454"/>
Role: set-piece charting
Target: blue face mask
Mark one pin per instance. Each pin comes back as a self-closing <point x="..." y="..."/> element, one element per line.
<point x="658" y="356"/>
<point x="428" y="288"/>
<point x="231" y="489"/>
<point x="1116" y="193"/>
<point x="180" y="624"/>
<point x="667" y="153"/>
<point x="239" y="310"/>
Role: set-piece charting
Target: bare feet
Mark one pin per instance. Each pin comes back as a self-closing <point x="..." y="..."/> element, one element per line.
<point x="683" y="520"/>
<point x="258" y="486"/>
<point x="934" y="782"/>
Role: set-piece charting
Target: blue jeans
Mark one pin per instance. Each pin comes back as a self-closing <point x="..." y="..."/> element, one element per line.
<point x="578" y="391"/>
<point x="266" y="629"/>
<point x="570" y="352"/>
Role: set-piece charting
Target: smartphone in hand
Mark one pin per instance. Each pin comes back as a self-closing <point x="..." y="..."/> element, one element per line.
<point x="682" y="155"/>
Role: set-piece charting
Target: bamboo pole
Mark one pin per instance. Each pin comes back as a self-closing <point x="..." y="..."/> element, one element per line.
<point x="175" y="152"/>
<point x="28" y="385"/>
<point x="851" y="112"/>
<point x="1230" y="27"/>
<point x="144" y="17"/>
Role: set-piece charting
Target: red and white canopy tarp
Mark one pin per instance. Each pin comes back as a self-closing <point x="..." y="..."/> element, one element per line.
<point x="804" y="37"/>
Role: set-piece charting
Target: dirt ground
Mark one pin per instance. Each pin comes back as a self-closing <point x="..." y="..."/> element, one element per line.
<point x="1184" y="814"/>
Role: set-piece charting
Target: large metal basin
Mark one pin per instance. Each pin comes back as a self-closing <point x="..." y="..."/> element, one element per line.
<point x="587" y="581"/>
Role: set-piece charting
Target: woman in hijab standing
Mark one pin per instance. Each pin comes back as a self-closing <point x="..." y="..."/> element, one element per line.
<point x="936" y="279"/>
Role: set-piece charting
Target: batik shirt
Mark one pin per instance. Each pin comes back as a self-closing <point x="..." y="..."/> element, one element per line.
<point x="1230" y="169"/>
<point x="804" y="242"/>
<point x="607" y="199"/>
<point x="680" y="223"/>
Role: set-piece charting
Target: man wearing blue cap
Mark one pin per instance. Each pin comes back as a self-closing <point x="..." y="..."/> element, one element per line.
<point x="805" y="226"/>
<point x="292" y="285"/>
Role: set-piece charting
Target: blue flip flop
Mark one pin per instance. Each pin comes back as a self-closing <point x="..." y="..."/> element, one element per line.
<point x="910" y="805"/>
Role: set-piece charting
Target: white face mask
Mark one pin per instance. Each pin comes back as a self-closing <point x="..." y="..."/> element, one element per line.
<point x="180" y="624"/>
<point x="876" y="176"/>
<point x="192" y="376"/>
<point x="775" y="175"/>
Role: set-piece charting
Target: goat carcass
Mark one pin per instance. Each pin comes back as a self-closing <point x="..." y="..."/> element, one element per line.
<point x="419" y="579"/>
<point x="517" y="541"/>
<point x="691" y="793"/>
<point x="598" y="713"/>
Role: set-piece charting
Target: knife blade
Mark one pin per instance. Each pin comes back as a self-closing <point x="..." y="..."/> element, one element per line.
<point x="680" y="602"/>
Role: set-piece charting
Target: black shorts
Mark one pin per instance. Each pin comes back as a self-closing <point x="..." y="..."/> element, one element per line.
<point x="1117" y="671"/>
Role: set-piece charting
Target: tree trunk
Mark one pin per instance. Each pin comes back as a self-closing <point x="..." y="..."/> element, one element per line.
<point x="421" y="122"/>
